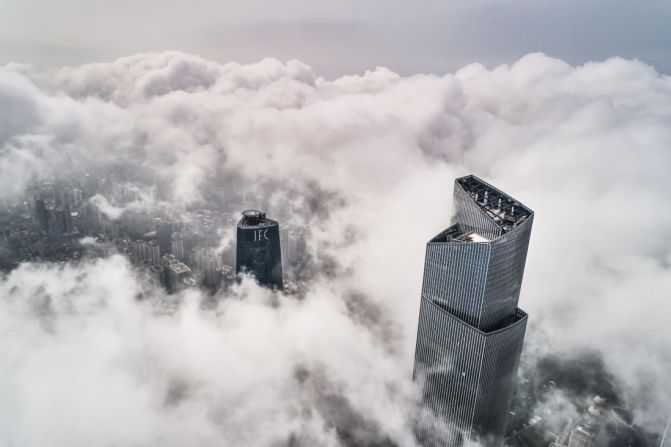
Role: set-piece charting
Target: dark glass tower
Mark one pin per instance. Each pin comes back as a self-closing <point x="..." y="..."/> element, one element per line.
<point x="164" y="236"/>
<point x="42" y="214"/>
<point x="470" y="330"/>
<point x="258" y="248"/>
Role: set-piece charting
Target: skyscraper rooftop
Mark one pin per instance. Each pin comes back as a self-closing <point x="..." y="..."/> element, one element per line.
<point x="503" y="210"/>
<point x="254" y="218"/>
<point x="470" y="330"/>
<point x="258" y="249"/>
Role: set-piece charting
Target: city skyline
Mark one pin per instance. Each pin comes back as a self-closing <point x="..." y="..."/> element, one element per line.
<point x="64" y="214"/>
<point x="128" y="152"/>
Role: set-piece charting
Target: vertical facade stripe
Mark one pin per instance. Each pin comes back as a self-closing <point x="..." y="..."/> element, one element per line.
<point x="470" y="332"/>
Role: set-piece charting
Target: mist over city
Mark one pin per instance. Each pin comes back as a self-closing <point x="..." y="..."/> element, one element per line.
<point x="242" y="248"/>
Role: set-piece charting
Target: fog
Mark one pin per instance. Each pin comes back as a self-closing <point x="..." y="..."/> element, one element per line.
<point x="91" y="351"/>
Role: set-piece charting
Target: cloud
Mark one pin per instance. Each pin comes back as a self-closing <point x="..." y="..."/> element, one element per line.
<point x="106" y="364"/>
<point x="367" y="162"/>
<point x="129" y="198"/>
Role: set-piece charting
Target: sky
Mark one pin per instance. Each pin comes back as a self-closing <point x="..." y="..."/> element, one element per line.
<point x="354" y="119"/>
<point x="341" y="37"/>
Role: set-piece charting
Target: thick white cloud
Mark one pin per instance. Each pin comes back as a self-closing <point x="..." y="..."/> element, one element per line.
<point x="586" y="147"/>
<point x="84" y="361"/>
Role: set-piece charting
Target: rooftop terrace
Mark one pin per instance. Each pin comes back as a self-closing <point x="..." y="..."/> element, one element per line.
<point x="456" y="234"/>
<point x="254" y="219"/>
<point x="504" y="210"/>
<point x="179" y="267"/>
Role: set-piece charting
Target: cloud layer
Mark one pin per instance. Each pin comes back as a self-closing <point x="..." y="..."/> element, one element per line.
<point x="368" y="161"/>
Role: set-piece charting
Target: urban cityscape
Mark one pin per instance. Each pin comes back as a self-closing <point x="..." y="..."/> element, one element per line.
<point x="335" y="224"/>
<point x="57" y="220"/>
<point x="470" y="331"/>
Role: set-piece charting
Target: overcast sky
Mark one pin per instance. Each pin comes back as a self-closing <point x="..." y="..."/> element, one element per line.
<point x="337" y="37"/>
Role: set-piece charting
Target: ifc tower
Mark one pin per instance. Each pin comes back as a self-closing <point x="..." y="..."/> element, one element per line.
<point x="258" y="249"/>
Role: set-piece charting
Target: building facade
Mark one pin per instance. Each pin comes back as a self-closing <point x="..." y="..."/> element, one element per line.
<point x="164" y="236"/>
<point x="208" y="264"/>
<point x="153" y="255"/>
<point x="56" y="224"/>
<point x="258" y="248"/>
<point x="177" y="246"/>
<point x="470" y="331"/>
<point x="41" y="214"/>
<point x="178" y="276"/>
<point x="139" y="251"/>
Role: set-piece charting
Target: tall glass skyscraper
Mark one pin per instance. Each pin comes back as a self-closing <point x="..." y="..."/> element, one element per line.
<point x="258" y="248"/>
<point x="470" y="330"/>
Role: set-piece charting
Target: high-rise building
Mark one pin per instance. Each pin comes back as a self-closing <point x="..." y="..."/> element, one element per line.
<point x="41" y="214"/>
<point x="228" y="255"/>
<point x="89" y="185"/>
<point x="56" y="224"/>
<point x="164" y="235"/>
<point x="601" y="424"/>
<point x="470" y="332"/>
<point x="135" y="222"/>
<point x="77" y="196"/>
<point x="153" y="252"/>
<point x="140" y="251"/>
<point x="177" y="246"/>
<point x="68" y="223"/>
<point x="582" y="436"/>
<point x="90" y="218"/>
<point x="178" y="276"/>
<point x="258" y="248"/>
<point x="208" y="265"/>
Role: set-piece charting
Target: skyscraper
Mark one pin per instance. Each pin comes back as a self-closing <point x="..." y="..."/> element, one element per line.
<point x="68" y="225"/>
<point x="258" y="248"/>
<point x="56" y="224"/>
<point x="178" y="276"/>
<point x="41" y="214"/>
<point x="177" y="246"/>
<point x="470" y="332"/>
<point x="582" y="436"/>
<point x="208" y="265"/>
<point x="153" y="252"/>
<point x="164" y="236"/>
<point x="140" y="251"/>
